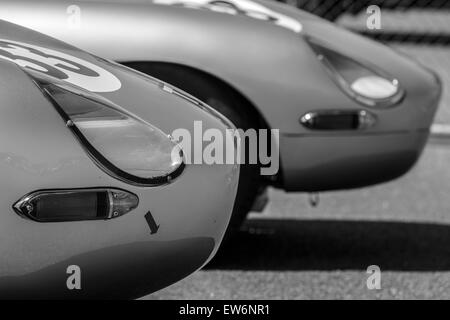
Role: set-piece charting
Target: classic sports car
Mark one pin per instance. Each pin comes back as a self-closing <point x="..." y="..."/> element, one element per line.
<point x="351" y="112"/>
<point x="96" y="198"/>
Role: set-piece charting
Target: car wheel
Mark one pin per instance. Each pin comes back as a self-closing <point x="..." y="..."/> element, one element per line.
<point x="234" y="107"/>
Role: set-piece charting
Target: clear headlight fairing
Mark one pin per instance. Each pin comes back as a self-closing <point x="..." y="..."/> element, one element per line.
<point x="123" y="145"/>
<point x="375" y="87"/>
<point x="361" y="81"/>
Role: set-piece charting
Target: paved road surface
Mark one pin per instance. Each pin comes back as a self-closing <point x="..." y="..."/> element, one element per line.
<point x="294" y="251"/>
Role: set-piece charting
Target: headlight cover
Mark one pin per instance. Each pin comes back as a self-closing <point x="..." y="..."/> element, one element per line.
<point x="123" y="145"/>
<point x="363" y="82"/>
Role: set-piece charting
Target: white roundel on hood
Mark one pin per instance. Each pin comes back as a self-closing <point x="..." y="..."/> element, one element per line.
<point x="236" y="7"/>
<point x="60" y="65"/>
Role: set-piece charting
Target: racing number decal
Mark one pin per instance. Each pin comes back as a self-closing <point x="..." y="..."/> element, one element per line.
<point x="60" y="65"/>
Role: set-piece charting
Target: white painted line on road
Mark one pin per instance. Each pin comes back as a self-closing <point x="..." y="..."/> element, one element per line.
<point x="440" y="130"/>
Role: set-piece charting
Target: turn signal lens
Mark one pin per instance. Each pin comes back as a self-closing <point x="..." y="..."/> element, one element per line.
<point x="338" y="120"/>
<point x="76" y="204"/>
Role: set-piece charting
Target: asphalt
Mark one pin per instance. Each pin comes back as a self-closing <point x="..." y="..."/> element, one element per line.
<point x="295" y="251"/>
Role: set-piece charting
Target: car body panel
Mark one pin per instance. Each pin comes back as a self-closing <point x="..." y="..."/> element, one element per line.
<point x="270" y="65"/>
<point x="122" y="257"/>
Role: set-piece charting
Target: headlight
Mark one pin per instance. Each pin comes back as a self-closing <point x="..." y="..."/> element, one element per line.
<point x="361" y="81"/>
<point x="124" y="146"/>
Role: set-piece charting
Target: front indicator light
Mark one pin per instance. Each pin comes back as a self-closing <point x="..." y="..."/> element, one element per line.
<point x="338" y="120"/>
<point x="123" y="145"/>
<point x="363" y="82"/>
<point x="76" y="204"/>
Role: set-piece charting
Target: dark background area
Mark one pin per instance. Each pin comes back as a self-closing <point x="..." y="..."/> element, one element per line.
<point x="336" y="10"/>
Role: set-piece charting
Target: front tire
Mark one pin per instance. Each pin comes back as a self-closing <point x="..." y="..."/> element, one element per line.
<point x="231" y="105"/>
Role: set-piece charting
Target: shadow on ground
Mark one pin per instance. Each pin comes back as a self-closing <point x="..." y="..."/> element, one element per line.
<point x="271" y="244"/>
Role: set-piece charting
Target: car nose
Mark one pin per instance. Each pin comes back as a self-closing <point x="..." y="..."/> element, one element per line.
<point x="176" y="228"/>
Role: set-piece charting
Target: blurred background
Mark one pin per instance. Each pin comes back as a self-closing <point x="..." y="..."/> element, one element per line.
<point x="419" y="28"/>
<point x="297" y="251"/>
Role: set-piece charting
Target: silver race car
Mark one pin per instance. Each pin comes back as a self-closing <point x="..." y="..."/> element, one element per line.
<point x="96" y="198"/>
<point x="350" y="112"/>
